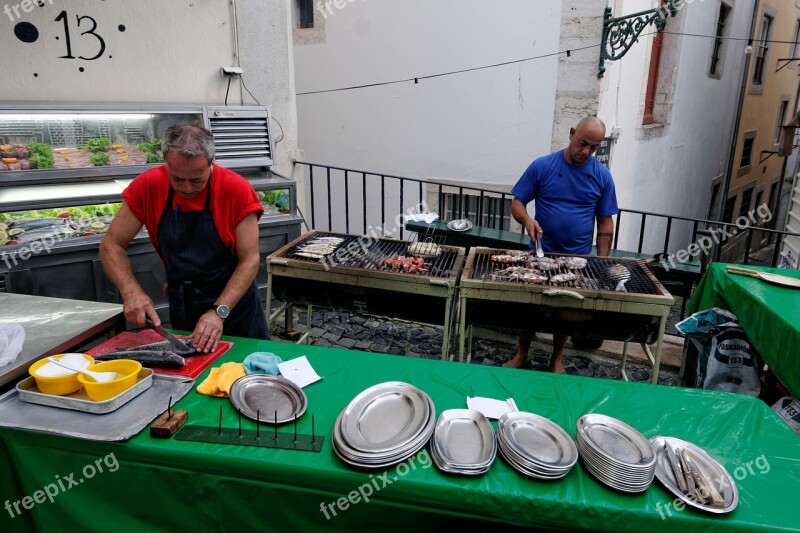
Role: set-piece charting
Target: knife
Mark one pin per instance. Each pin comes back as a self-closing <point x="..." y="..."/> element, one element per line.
<point x="693" y="492"/>
<point x="176" y="342"/>
<point x="711" y="491"/>
<point x="676" y="467"/>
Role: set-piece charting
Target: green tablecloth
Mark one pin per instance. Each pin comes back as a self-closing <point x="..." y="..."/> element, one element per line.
<point x="768" y="313"/>
<point x="185" y="486"/>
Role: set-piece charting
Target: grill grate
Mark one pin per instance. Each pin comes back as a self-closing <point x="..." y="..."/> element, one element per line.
<point x="597" y="275"/>
<point x="368" y="253"/>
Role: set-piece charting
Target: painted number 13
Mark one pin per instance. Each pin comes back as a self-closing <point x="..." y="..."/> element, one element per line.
<point x="90" y="31"/>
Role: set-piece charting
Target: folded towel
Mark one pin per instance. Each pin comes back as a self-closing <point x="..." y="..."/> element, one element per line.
<point x="219" y="381"/>
<point x="262" y="363"/>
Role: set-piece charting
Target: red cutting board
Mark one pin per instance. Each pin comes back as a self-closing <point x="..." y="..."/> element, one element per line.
<point x="194" y="365"/>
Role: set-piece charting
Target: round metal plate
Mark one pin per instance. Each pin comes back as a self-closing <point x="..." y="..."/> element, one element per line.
<point x="461" y="224"/>
<point x="264" y="397"/>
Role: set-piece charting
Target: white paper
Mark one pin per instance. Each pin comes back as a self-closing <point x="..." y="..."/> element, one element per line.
<point x="299" y="371"/>
<point x="422" y="217"/>
<point x="490" y="407"/>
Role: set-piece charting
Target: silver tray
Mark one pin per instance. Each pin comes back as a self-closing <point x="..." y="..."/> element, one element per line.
<point x="461" y="224"/>
<point x="385" y="417"/>
<point x="538" y="440"/>
<point x="79" y="401"/>
<point x="708" y="467"/>
<point x="117" y="425"/>
<point x="263" y="397"/>
<point x="616" y="441"/>
<point x="464" y="438"/>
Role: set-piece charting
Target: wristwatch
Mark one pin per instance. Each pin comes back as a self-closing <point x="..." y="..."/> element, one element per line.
<point x="222" y="310"/>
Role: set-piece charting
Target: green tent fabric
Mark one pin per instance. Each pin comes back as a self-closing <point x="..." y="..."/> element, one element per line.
<point x="172" y="485"/>
<point x="769" y="314"/>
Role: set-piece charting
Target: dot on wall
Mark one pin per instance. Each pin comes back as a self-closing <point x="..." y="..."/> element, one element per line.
<point x="26" y="32"/>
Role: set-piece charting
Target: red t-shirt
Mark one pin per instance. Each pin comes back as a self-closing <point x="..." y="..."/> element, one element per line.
<point x="232" y="199"/>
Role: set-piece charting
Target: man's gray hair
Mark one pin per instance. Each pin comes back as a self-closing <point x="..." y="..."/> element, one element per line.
<point x="188" y="140"/>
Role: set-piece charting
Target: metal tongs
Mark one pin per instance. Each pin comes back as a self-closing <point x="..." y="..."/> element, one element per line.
<point x="538" y="241"/>
<point x="175" y="341"/>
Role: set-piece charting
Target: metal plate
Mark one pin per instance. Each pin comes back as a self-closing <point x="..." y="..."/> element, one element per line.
<point x="538" y="440"/>
<point x="385" y="417"/>
<point x="79" y="401"/>
<point x="461" y="224"/>
<point x="708" y="467"/>
<point x="265" y="397"/>
<point x="616" y="441"/>
<point x="464" y="438"/>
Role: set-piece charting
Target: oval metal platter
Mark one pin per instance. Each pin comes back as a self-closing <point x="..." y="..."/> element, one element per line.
<point x="537" y="440"/>
<point x="269" y="399"/>
<point x="461" y="224"/>
<point x="707" y="466"/>
<point x="615" y="440"/>
<point x="464" y="438"/>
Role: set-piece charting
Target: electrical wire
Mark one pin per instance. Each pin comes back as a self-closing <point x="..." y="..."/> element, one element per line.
<point x="567" y="52"/>
<point x="228" y="89"/>
<point x="248" y="91"/>
<point x="281" y="127"/>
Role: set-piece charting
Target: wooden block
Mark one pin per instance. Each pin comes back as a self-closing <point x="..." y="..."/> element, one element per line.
<point x="164" y="426"/>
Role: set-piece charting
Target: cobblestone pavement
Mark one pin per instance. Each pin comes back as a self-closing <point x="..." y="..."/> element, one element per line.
<point x="410" y="339"/>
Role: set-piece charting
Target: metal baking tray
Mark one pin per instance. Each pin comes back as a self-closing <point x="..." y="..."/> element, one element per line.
<point x="79" y="401"/>
<point x="117" y="425"/>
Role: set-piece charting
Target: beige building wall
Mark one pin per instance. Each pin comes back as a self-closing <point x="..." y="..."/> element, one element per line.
<point x="768" y="105"/>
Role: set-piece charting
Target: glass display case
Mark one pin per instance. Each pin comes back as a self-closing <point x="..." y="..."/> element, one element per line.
<point x="63" y="169"/>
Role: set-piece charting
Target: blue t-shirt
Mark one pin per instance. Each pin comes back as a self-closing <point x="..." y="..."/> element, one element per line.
<point x="568" y="198"/>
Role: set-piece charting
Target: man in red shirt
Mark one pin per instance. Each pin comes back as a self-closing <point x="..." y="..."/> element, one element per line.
<point x="203" y="221"/>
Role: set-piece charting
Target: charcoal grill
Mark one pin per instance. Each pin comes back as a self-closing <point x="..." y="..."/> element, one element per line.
<point x="355" y="278"/>
<point x="590" y="307"/>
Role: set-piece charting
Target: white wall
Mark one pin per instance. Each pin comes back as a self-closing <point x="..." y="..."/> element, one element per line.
<point x="672" y="172"/>
<point x="168" y="52"/>
<point x="483" y="126"/>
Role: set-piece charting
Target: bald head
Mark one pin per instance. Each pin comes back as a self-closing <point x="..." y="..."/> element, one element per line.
<point x="584" y="139"/>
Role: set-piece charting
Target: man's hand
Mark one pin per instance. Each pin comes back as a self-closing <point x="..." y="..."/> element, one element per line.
<point x="207" y="332"/>
<point x="521" y="215"/>
<point x="533" y="228"/>
<point x="138" y="307"/>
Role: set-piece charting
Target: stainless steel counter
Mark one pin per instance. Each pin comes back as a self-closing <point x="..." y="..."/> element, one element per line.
<point x="54" y="325"/>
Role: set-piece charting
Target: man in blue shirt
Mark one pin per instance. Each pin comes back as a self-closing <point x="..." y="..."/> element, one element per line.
<point x="572" y="190"/>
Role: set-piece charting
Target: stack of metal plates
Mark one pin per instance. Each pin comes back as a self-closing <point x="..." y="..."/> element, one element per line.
<point x="615" y="453"/>
<point x="384" y="425"/>
<point x="535" y="446"/>
<point x="463" y="442"/>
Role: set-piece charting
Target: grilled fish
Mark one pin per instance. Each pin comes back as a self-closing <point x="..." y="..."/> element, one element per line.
<point x="150" y="358"/>
<point x="163" y="346"/>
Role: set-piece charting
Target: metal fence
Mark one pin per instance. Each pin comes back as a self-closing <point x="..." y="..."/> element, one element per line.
<point x="358" y="201"/>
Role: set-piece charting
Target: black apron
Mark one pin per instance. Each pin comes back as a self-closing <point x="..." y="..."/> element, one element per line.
<point x="198" y="267"/>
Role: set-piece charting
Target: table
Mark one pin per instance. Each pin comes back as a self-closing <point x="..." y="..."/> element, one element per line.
<point x="54" y="325"/>
<point x="769" y="314"/>
<point x="171" y="485"/>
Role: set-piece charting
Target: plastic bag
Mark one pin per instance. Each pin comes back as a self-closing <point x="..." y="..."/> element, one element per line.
<point x="728" y="361"/>
<point x="788" y="408"/>
<point x="12" y="337"/>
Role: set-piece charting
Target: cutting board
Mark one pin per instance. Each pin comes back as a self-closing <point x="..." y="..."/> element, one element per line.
<point x="777" y="279"/>
<point x="194" y="365"/>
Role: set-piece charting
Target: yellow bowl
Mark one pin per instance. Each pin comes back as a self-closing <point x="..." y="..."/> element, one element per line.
<point x="127" y="370"/>
<point x="58" y="386"/>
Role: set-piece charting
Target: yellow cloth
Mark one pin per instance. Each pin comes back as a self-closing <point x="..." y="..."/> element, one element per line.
<point x="219" y="381"/>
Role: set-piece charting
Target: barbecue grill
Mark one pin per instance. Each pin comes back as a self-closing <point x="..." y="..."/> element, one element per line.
<point x="355" y="277"/>
<point x="590" y="306"/>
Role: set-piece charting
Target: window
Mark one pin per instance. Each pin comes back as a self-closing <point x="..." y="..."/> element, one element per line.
<point x="306" y="14"/>
<point x="773" y="204"/>
<point x="716" y="52"/>
<point x="727" y="215"/>
<point x="759" y="196"/>
<point x="762" y="49"/>
<point x="495" y="212"/>
<point x="781" y="120"/>
<point x="652" y="79"/>
<point x="747" y="152"/>
<point x="747" y="196"/>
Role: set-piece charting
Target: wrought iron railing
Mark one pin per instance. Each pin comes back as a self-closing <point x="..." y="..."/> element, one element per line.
<point x="347" y="193"/>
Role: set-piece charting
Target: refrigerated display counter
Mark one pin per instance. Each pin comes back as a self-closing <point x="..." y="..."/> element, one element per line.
<point x="63" y="169"/>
